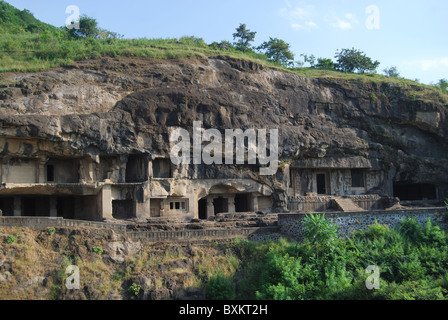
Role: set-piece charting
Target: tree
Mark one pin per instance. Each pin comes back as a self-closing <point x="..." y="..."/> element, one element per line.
<point x="309" y="59"/>
<point x="326" y="64"/>
<point x="88" y="28"/>
<point x="245" y="37"/>
<point x="278" y="51"/>
<point x="351" y="60"/>
<point x="392" y="72"/>
<point x="442" y="84"/>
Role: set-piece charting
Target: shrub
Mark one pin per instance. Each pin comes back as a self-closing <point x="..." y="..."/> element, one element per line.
<point x="134" y="289"/>
<point x="392" y="72"/>
<point x="220" y="287"/>
<point x="377" y="230"/>
<point x="98" y="250"/>
<point x="51" y="231"/>
<point x="10" y="239"/>
<point x="319" y="232"/>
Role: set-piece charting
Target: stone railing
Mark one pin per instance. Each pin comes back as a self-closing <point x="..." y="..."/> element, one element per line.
<point x="290" y="225"/>
<point x="259" y="233"/>
<point x="42" y="223"/>
<point x="310" y="203"/>
<point x="324" y="203"/>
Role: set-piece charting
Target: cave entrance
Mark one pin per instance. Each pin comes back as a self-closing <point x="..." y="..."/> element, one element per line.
<point x="415" y="191"/>
<point x="123" y="209"/>
<point x="242" y="202"/>
<point x="221" y="205"/>
<point x="202" y="209"/>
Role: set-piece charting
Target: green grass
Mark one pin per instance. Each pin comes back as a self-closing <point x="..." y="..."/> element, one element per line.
<point x="29" y="45"/>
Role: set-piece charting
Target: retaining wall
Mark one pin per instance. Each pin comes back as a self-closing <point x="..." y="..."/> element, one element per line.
<point x="42" y="223"/>
<point x="290" y="225"/>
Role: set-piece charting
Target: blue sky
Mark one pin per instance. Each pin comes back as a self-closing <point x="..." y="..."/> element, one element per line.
<point x="407" y="34"/>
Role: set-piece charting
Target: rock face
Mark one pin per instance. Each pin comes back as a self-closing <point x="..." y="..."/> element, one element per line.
<point x="126" y="106"/>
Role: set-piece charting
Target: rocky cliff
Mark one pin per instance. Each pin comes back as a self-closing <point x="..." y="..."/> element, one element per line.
<point x="126" y="105"/>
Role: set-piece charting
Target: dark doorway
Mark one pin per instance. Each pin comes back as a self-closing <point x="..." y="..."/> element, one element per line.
<point x="415" y="191"/>
<point x="7" y="206"/>
<point x="321" y="184"/>
<point x="202" y="207"/>
<point x="66" y="207"/>
<point x="220" y="204"/>
<point x="35" y="207"/>
<point x="242" y="203"/>
<point x="123" y="209"/>
<point x="137" y="169"/>
<point x="50" y="173"/>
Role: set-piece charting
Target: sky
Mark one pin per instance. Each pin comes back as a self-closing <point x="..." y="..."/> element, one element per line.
<point x="409" y="35"/>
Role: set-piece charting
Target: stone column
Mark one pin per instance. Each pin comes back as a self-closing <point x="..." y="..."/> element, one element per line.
<point x="53" y="207"/>
<point x="254" y="203"/>
<point x="143" y="202"/>
<point x="106" y="202"/>
<point x="17" y="207"/>
<point x="3" y="173"/>
<point x="231" y="204"/>
<point x="41" y="172"/>
<point x="164" y="208"/>
<point x="210" y="208"/>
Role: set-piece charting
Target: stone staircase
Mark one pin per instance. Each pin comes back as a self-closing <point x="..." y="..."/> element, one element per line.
<point x="346" y="205"/>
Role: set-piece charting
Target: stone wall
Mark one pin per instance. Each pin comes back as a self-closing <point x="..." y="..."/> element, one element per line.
<point x="42" y="223"/>
<point x="255" y="234"/>
<point x="290" y="225"/>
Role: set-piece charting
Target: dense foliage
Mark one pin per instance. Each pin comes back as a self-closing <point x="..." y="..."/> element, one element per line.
<point x="411" y="259"/>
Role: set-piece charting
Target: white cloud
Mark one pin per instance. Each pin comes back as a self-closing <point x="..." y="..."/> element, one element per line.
<point x="344" y="24"/>
<point x="341" y="24"/>
<point x="305" y="26"/>
<point x="300" y="17"/>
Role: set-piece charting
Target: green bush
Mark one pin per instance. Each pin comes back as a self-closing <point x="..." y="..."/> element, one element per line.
<point x="98" y="250"/>
<point x="220" y="287"/>
<point x="10" y="239"/>
<point x="411" y="259"/>
<point x="134" y="289"/>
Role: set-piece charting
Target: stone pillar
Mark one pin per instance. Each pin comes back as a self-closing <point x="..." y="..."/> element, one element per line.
<point x="164" y="208"/>
<point x="17" y="207"/>
<point x="143" y="202"/>
<point x="53" y="207"/>
<point x="231" y="204"/>
<point x="254" y="203"/>
<point x="210" y="208"/>
<point x="3" y="173"/>
<point x="106" y="202"/>
<point x="41" y="171"/>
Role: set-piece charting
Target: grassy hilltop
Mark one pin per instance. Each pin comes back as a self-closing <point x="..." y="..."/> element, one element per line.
<point x="29" y="45"/>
